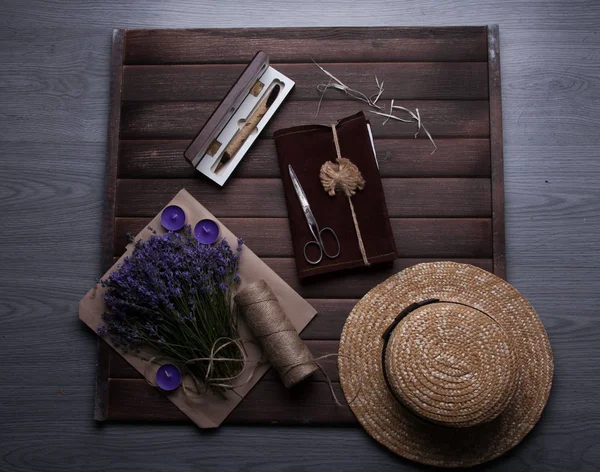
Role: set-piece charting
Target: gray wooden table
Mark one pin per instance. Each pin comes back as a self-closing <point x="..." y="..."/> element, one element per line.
<point x="54" y="67"/>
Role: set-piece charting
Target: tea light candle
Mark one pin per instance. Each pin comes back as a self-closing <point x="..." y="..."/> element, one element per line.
<point x="206" y="231"/>
<point x="172" y="218"/>
<point x="168" y="377"/>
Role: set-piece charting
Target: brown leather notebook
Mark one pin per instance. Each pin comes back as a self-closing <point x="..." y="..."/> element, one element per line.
<point x="306" y="149"/>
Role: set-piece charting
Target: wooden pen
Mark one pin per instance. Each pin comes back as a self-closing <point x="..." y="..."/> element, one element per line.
<point x="252" y="122"/>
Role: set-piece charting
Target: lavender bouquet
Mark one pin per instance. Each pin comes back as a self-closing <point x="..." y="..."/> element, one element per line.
<point x="174" y="296"/>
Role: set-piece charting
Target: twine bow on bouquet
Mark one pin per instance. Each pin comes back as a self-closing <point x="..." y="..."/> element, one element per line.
<point x="345" y="177"/>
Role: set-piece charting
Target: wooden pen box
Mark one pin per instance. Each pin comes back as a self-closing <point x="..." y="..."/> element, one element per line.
<point x="228" y="134"/>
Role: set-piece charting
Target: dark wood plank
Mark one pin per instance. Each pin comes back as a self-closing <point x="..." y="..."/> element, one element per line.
<point x="496" y="151"/>
<point x="104" y="353"/>
<point x="323" y="351"/>
<point x="111" y="166"/>
<point x="329" y="322"/>
<point x="351" y="283"/>
<point x="307" y="403"/>
<point x="135" y="400"/>
<point x="182" y="120"/>
<point x="110" y="196"/>
<point x="380" y="44"/>
<point x="397" y="158"/>
<point x="415" y="237"/>
<point x="443" y="237"/>
<point x="268" y="403"/>
<point x="412" y="81"/>
<point x="264" y="197"/>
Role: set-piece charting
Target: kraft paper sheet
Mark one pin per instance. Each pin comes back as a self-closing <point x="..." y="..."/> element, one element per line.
<point x="209" y="410"/>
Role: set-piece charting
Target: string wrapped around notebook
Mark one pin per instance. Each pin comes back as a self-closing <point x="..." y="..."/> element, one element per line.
<point x="344" y="176"/>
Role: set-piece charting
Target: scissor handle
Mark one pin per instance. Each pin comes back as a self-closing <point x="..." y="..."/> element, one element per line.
<point x="308" y="259"/>
<point x="337" y="242"/>
<point x="321" y="247"/>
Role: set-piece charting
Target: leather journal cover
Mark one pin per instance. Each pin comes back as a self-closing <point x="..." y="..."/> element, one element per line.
<point x="306" y="149"/>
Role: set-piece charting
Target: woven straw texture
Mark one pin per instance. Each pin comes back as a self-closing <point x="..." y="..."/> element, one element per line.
<point x="483" y="373"/>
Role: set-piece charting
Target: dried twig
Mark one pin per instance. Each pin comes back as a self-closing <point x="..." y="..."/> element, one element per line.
<point x="378" y="94"/>
<point x="321" y="99"/>
<point x="336" y="83"/>
<point x="418" y="122"/>
<point x="390" y="116"/>
<point x="415" y="118"/>
<point x="356" y="94"/>
<point x="430" y="139"/>
<point x="412" y="115"/>
<point x="391" y="111"/>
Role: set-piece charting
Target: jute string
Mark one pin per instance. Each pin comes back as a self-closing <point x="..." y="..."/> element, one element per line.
<point x="345" y="176"/>
<point x="279" y="339"/>
<point x="201" y="386"/>
<point x="280" y="342"/>
<point x="274" y="331"/>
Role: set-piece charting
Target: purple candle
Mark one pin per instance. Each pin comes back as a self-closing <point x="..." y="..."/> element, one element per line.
<point x="206" y="231"/>
<point x="168" y="377"/>
<point x="172" y="218"/>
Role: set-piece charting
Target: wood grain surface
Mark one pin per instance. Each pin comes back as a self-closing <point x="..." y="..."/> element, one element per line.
<point x="390" y="44"/>
<point x="53" y="113"/>
<point x="412" y="81"/>
<point x="416" y="197"/>
<point x="435" y="215"/>
<point x="181" y="120"/>
<point x="396" y="157"/>
<point x="110" y="199"/>
<point x="424" y="237"/>
<point x="496" y="152"/>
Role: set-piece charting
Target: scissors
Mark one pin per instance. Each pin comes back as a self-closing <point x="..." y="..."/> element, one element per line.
<point x="312" y="225"/>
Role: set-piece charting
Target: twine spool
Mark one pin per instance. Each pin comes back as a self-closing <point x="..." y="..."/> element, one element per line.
<point x="277" y="336"/>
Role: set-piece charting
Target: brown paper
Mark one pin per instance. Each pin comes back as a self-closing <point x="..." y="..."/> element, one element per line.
<point x="209" y="410"/>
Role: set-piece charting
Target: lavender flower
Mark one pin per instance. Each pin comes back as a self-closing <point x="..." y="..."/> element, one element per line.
<point x="174" y="295"/>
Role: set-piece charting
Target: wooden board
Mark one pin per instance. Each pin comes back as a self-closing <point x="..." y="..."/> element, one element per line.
<point x="449" y="205"/>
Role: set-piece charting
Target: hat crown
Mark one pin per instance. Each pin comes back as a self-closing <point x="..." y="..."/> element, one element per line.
<point x="451" y="364"/>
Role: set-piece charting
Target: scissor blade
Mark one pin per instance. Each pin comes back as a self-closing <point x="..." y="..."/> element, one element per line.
<point x="299" y="191"/>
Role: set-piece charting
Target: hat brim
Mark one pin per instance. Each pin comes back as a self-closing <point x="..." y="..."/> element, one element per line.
<point x="397" y="428"/>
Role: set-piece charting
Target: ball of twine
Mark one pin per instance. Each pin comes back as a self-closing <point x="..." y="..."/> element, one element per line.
<point x="341" y="175"/>
<point x="276" y="334"/>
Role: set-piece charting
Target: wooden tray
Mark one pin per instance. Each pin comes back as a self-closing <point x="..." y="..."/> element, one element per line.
<point x="449" y="205"/>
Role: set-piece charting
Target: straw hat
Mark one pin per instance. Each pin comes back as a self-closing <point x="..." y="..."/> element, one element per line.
<point x="447" y="364"/>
